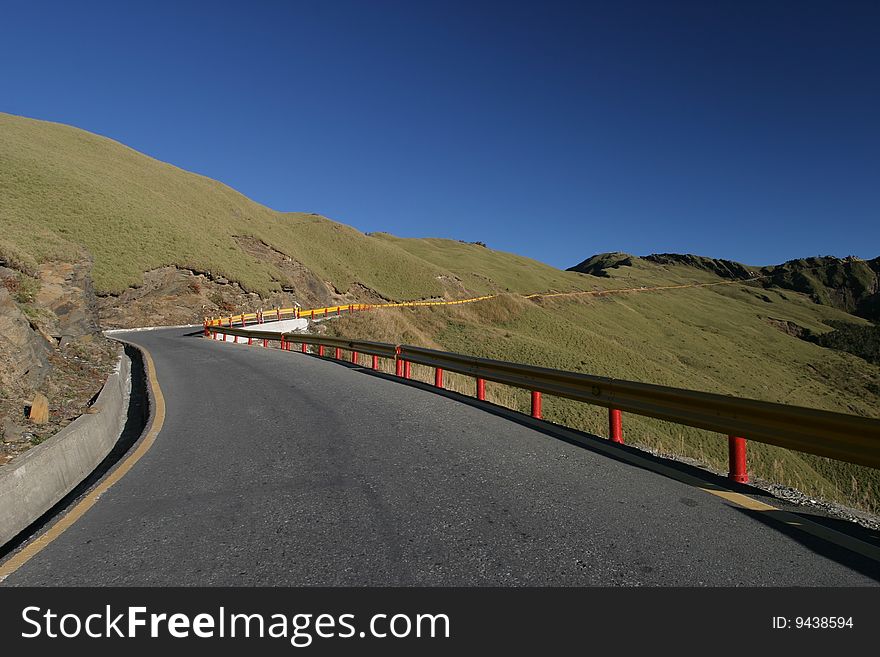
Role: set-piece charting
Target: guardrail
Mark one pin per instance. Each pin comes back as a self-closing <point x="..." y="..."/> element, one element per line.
<point x="279" y="314"/>
<point x="839" y="436"/>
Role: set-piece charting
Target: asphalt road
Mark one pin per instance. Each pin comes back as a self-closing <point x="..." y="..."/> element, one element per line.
<point x="276" y="468"/>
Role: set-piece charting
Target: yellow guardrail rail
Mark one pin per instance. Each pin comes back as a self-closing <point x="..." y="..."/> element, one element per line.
<point x="839" y="436"/>
<point x="278" y="314"/>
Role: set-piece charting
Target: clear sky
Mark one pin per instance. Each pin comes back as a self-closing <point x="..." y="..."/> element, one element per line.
<point x="747" y="130"/>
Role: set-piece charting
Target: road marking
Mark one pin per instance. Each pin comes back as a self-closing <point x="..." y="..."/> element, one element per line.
<point x="80" y="508"/>
<point x="807" y="526"/>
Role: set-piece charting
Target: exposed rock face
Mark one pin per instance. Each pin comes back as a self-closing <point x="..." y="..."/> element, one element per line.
<point x="23" y="351"/>
<point x="172" y="295"/>
<point x="66" y="291"/>
<point x="51" y="351"/>
<point x="312" y="290"/>
<point x="169" y="296"/>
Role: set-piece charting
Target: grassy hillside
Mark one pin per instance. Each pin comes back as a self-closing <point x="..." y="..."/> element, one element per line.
<point x="486" y="271"/>
<point x="67" y="194"/>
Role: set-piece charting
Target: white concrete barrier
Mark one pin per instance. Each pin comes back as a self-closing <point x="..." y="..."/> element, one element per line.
<point x="34" y="482"/>
<point x="283" y="326"/>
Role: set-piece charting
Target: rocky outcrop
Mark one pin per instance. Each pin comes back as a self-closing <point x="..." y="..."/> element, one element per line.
<point x="66" y="292"/>
<point x="23" y="351"/>
<point x="51" y="349"/>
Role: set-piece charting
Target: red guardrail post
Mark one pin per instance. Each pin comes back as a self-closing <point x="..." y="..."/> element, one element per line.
<point x="236" y="339"/>
<point x="738" y="471"/>
<point x="354" y="357"/>
<point x="338" y="310"/>
<point x="320" y="350"/>
<point x="438" y="377"/>
<point x="407" y="369"/>
<point x="265" y="344"/>
<point x="338" y="353"/>
<point x="305" y="348"/>
<point x="615" y="426"/>
<point x="536" y="404"/>
<point x="481" y="389"/>
<point x="375" y="362"/>
<point x="282" y="342"/>
<point x="250" y="341"/>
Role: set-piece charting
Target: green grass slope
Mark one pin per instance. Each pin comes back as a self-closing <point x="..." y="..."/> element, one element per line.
<point x="66" y="194"/>
<point x="486" y="271"/>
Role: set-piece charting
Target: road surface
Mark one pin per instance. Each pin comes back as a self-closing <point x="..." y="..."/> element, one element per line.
<point x="277" y="468"/>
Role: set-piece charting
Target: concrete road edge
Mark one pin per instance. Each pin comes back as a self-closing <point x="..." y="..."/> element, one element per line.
<point x="38" y="479"/>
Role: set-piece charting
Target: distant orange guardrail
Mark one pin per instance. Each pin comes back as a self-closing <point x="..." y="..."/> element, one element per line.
<point x="279" y="314"/>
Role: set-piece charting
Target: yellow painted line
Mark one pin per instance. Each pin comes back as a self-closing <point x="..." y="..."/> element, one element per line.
<point x="740" y="500"/>
<point x="80" y="508"/>
<point x="803" y="524"/>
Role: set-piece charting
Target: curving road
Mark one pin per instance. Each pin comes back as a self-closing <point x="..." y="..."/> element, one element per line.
<point x="275" y="468"/>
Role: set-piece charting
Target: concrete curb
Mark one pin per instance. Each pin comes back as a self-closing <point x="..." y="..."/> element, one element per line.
<point x="35" y="481"/>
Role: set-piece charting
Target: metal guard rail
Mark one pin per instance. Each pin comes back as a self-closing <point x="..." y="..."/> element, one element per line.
<point x="279" y="314"/>
<point x="839" y="436"/>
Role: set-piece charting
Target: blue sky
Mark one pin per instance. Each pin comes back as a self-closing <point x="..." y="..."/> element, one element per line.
<point x="747" y="130"/>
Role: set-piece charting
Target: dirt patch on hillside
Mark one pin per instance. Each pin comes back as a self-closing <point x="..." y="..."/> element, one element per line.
<point x="789" y="327"/>
<point x="310" y="291"/>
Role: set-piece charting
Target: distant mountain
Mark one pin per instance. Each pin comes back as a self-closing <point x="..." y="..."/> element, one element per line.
<point x="848" y="284"/>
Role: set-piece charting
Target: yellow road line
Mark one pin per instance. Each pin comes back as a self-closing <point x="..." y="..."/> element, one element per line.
<point x="803" y="524"/>
<point x="80" y="508"/>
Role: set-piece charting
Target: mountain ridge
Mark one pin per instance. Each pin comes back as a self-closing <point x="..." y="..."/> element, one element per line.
<point x="850" y="284"/>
